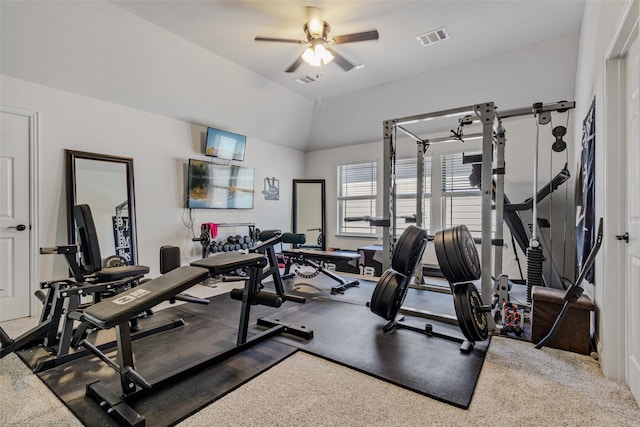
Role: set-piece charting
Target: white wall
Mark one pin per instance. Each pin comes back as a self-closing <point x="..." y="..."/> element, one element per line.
<point x="503" y="78"/>
<point x="600" y="23"/>
<point x="160" y="148"/>
<point x="98" y="49"/>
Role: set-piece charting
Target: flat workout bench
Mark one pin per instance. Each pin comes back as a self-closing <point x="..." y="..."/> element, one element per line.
<point x="116" y="312"/>
<point x="310" y="257"/>
<point x="119" y="309"/>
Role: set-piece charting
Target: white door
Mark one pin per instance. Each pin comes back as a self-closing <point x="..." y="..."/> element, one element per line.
<point x="14" y="215"/>
<point x="633" y="218"/>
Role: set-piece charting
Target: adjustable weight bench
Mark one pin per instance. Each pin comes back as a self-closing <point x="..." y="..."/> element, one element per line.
<point x="316" y="258"/>
<point x="55" y="330"/>
<point x="116" y="311"/>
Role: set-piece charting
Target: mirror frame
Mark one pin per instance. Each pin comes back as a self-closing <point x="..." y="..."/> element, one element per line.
<point x="70" y="158"/>
<point x="294" y="203"/>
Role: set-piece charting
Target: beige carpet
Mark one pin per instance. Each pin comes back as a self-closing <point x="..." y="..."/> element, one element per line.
<point x="519" y="385"/>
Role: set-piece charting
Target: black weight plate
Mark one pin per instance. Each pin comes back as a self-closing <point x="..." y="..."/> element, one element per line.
<point x="462" y="271"/>
<point x="467" y="254"/>
<point x="455" y="259"/>
<point x="472" y="321"/>
<point x="408" y="250"/>
<point x="441" y="255"/>
<point x="389" y="294"/>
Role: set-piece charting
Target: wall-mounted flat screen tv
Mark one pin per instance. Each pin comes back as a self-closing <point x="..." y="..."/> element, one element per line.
<point x="213" y="186"/>
<point x="225" y="145"/>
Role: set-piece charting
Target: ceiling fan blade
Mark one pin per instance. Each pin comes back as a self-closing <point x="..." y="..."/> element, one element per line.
<point x="341" y="60"/>
<point x="295" y="65"/>
<point x="272" y="39"/>
<point x="356" y="37"/>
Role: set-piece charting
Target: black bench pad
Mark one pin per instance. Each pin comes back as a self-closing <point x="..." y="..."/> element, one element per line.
<point x="111" y="274"/>
<point x="125" y="305"/>
<point x="227" y="262"/>
<point x="323" y="255"/>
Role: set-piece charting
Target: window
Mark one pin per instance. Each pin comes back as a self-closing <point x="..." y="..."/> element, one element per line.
<point x="456" y="200"/>
<point x="406" y="192"/>
<point x="461" y="203"/>
<point x="357" y="191"/>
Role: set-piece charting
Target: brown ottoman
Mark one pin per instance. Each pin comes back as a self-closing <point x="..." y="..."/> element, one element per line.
<point x="573" y="332"/>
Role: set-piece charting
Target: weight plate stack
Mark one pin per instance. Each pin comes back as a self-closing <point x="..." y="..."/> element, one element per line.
<point x="408" y="250"/>
<point x="472" y="319"/>
<point x="389" y="294"/>
<point x="457" y="254"/>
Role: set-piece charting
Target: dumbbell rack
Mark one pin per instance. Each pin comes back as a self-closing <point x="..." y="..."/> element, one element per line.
<point x="205" y="238"/>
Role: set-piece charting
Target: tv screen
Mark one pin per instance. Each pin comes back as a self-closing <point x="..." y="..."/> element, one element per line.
<point x="225" y="145"/>
<point x="212" y="186"/>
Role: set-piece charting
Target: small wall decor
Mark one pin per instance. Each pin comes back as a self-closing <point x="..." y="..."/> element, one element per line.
<point x="271" y="188"/>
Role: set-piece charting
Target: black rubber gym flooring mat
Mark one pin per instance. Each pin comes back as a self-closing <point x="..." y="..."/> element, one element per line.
<point x="198" y="339"/>
<point x="345" y="331"/>
<point x="350" y="334"/>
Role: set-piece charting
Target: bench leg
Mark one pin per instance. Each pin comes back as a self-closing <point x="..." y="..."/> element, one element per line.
<point x="250" y="289"/>
<point x="125" y="356"/>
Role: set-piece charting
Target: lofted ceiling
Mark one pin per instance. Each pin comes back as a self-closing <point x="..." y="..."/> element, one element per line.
<point x="477" y="28"/>
<point x="154" y="56"/>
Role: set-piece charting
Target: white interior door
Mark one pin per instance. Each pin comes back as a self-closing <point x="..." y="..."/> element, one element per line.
<point x="14" y="216"/>
<point x="633" y="218"/>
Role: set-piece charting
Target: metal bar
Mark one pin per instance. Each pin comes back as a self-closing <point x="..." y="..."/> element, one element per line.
<point x="526" y="111"/>
<point x="409" y="134"/>
<point x="420" y="183"/>
<point x="487" y="114"/>
<point x="441" y="139"/>
<point x="453" y="112"/>
<point x="444" y="318"/>
<point x="499" y="198"/>
<point x="388" y="193"/>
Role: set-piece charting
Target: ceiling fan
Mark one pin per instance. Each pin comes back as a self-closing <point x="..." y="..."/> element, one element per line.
<point x="319" y="51"/>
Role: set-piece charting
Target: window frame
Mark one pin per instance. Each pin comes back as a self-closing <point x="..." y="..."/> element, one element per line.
<point x="341" y="224"/>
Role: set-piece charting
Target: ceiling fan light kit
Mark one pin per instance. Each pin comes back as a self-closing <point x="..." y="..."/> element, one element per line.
<point x="318" y="52"/>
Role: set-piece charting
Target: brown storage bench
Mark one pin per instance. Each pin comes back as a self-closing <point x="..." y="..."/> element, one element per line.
<point x="573" y="332"/>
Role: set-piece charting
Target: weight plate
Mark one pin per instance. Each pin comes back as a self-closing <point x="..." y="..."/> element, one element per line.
<point x="408" y="250"/>
<point x="467" y="254"/>
<point x="389" y="294"/>
<point x="462" y="271"/>
<point x="468" y="305"/>
<point x="457" y="254"/>
<point x="455" y="259"/>
<point x="115" y="261"/>
<point x="441" y="255"/>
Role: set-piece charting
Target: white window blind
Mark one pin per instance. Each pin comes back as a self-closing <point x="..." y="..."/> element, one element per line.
<point x="461" y="203"/>
<point x="406" y="192"/>
<point x="357" y="191"/>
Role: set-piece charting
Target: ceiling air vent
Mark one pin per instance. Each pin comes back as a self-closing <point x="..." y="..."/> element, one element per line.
<point x="306" y="79"/>
<point x="433" y="36"/>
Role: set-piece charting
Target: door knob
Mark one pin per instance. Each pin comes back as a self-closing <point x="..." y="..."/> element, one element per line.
<point x="624" y="236"/>
<point x="19" y="227"/>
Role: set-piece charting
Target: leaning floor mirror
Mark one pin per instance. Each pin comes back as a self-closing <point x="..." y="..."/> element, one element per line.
<point x="309" y="211"/>
<point x="105" y="183"/>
